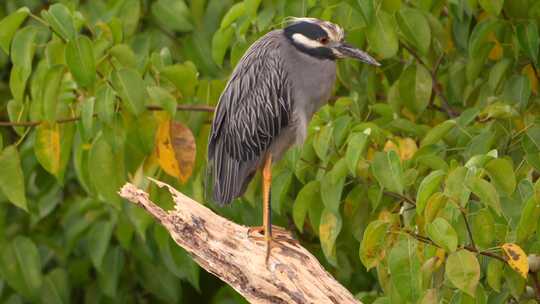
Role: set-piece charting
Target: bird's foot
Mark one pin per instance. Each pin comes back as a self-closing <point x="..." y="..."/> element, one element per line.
<point x="278" y="235"/>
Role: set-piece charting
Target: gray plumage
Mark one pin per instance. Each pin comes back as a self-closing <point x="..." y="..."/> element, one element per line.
<point x="265" y="108"/>
<point x="281" y="80"/>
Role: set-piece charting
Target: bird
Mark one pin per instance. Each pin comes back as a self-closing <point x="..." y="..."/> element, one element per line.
<point x="280" y="82"/>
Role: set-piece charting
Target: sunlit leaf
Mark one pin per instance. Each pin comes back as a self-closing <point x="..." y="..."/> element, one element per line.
<point x="373" y="242"/>
<point x="486" y="192"/>
<point x="309" y="193"/>
<point x="443" y="234"/>
<point x="61" y="21"/>
<point x="129" y="84"/>
<point x="405" y="269"/>
<point x="11" y="178"/>
<point x="387" y="170"/>
<point x="9" y="25"/>
<point x="175" y="149"/>
<point x="47" y="147"/>
<point x="329" y="229"/>
<point x="80" y="60"/>
<point x="463" y="270"/>
<point x="428" y="186"/>
<point x="20" y="266"/>
<point x="516" y="258"/>
<point x="415" y="88"/>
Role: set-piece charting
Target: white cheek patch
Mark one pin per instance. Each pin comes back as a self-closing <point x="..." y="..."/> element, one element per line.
<point x="305" y="41"/>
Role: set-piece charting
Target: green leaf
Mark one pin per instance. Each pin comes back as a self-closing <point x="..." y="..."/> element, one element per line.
<point x="463" y="270"/>
<point x="51" y="92"/>
<point x="11" y="177"/>
<point x="235" y="12"/>
<point x="174" y="15"/>
<point x="405" y="269"/>
<point x="501" y="174"/>
<point x="329" y="229"/>
<point x="517" y="90"/>
<point x="310" y="193"/>
<point x="373" y="243"/>
<point x="80" y="60"/>
<point x="125" y="55"/>
<point x="483" y="225"/>
<point x="105" y="98"/>
<point x="20" y="266"/>
<point x="486" y="192"/>
<point x="429" y="185"/>
<point x="527" y="34"/>
<point x="437" y="133"/>
<point x="355" y="148"/>
<point x="530" y="214"/>
<point x="183" y="76"/>
<point x="87" y="117"/>
<point x="386" y="168"/>
<point x="23" y="49"/>
<point x="442" y="234"/>
<point x="495" y="274"/>
<point x="165" y="286"/>
<point x="414" y="28"/>
<point x="332" y="186"/>
<point x="98" y="241"/>
<point x="55" y="289"/>
<point x="9" y="25"/>
<point x="163" y="98"/>
<point x="480" y="35"/>
<point x="114" y="264"/>
<point x="415" y="88"/>
<point x="220" y="44"/>
<point x="382" y="36"/>
<point x="493" y="7"/>
<point x="130" y="86"/>
<point x="322" y="140"/>
<point x="107" y="170"/>
<point x="61" y="21"/>
<point x="455" y="188"/>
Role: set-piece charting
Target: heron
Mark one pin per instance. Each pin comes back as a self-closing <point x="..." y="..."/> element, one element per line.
<point x="274" y="90"/>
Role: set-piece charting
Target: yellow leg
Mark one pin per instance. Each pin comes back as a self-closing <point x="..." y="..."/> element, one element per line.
<point x="267" y="222"/>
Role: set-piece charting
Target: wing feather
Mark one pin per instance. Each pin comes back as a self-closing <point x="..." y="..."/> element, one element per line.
<point x="253" y="109"/>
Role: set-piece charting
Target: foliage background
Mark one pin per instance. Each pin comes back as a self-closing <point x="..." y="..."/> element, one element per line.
<point x="416" y="183"/>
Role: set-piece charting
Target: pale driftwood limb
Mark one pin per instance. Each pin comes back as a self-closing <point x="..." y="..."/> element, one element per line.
<point x="293" y="275"/>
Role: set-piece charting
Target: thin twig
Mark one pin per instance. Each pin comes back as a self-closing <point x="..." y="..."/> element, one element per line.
<point x="401" y="197"/>
<point x="193" y="108"/>
<point x="469" y="231"/>
<point x="426" y="240"/>
<point x="436" y="88"/>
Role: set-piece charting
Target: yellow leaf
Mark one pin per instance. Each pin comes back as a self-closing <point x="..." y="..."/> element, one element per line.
<point x="390" y="145"/>
<point x="165" y="151"/>
<point x="516" y="258"/>
<point x="175" y="149"/>
<point x="47" y="147"/>
<point x="496" y="52"/>
<point x="407" y="148"/>
<point x="370" y="154"/>
<point x="528" y="70"/>
<point x="185" y="149"/>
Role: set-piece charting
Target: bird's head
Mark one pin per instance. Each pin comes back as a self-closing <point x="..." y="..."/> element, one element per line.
<point x="323" y="39"/>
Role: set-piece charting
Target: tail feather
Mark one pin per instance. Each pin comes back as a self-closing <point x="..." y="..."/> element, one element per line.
<point x="230" y="177"/>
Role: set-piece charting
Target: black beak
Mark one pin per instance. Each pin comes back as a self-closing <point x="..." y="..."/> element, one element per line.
<point x="346" y="50"/>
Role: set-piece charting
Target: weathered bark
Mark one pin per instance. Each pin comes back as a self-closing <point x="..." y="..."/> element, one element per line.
<point x="225" y="249"/>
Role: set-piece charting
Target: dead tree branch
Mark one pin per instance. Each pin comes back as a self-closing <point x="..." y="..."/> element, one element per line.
<point x="293" y="275"/>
